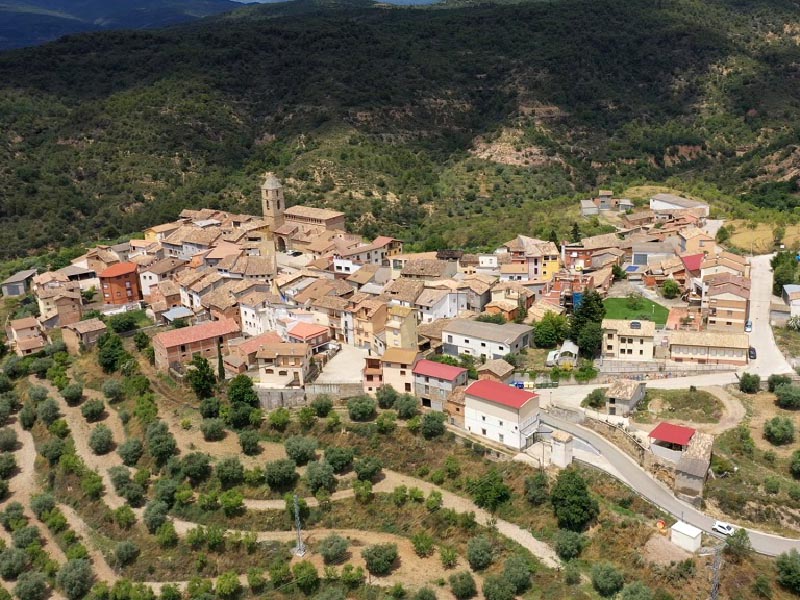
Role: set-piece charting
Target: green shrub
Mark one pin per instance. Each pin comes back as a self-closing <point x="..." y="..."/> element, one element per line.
<point x="130" y="452"/>
<point x="749" y="383"/>
<point x="367" y="468"/>
<point x="606" y="579"/>
<point x="48" y="411"/>
<point x="8" y="439"/>
<point x="537" y="489"/>
<point x="361" y="408"/>
<point x="480" y="553"/>
<point x="248" y="440"/>
<point x="423" y="544"/>
<point x="213" y="429"/>
<point x="462" y="585"/>
<point x="333" y="549"/>
<point x="497" y="587"/>
<point x="380" y="558"/>
<point x="279" y="418"/>
<point x="572" y="503"/>
<point x="101" y="440"/>
<point x="280" y="474"/>
<point x="322" y="405"/>
<point x="319" y="476"/>
<point x="93" y="410"/>
<point x="407" y="407"/>
<point x="779" y="431"/>
<point x="230" y="472"/>
<point x="788" y="565"/>
<point x="775" y="380"/>
<point x="8" y="465"/>
<point x="73" y="394"/>
<point x="126" y="553"/>
<point x="569" y="544"/>
<point x="306" y="577"/>
<point x="300" y="449"/>
<point x="432" y="424"/>
<point x="340" y="458"/>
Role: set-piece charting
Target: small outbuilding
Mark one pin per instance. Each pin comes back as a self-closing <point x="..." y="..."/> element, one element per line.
<point x="685" y="536"/>
<point x="623" y="396"/>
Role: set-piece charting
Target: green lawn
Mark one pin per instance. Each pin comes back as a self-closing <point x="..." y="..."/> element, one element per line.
<point x="618" y="308"/>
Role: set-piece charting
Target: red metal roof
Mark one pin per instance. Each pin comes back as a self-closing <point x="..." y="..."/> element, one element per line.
<point x="430" y="368"/>
<point x="119" y="269"/>
<point x="672" y="434"/>
<point x="692" y="262"/>
<point x="196" y="333"/>
<point x="500" y="393"/>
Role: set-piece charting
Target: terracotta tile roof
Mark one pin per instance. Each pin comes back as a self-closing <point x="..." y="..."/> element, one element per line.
<point x="87" y="326"/>
<point x="23" y="323"/>
<point x="254" y="344"/>
<point x="272" y="351"/>
<point x="403" y="356"/>
<point x="118" y="269"/>
<point x="196" y="333"/>
<point x="311" y="212"/>
<point x="496" y="366"/>
<point x="500" y="393"/>
<point x="305" y="331"/>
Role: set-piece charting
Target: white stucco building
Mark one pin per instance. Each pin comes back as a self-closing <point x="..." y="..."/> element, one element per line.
<point x="485" y="340"/>
<point x="501" y="413"/>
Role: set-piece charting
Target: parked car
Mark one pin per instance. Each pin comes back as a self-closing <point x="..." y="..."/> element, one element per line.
<point x="751" y="352"/>
<point x="722" y="527"/>
<point x="748" y="326"/>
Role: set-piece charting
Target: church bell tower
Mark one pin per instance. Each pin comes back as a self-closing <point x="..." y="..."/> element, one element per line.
<point x="272" y="203"/>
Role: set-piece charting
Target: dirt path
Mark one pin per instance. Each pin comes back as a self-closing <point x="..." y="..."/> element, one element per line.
<point x="23" y="485"/>
<point x="733" y="413"/>
<point x="102" y="569"/>
<point x="392" y="479"/>
<point x="81" y="430"/>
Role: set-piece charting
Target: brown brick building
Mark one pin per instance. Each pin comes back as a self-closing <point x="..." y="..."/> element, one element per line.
<point x="120" y="284"/>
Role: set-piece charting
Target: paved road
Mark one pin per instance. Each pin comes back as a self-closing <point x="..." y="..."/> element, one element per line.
<point x="770" y="359"/>
<point x="660" y="495"/>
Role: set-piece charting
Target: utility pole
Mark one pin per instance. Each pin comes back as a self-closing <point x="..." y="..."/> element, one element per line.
<point x="300" y="549"/>
<point x="716" y="569"/>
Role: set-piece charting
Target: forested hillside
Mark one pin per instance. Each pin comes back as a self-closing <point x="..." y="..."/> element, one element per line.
<point x="30" y="22"/>
<point x="443" y="126"/>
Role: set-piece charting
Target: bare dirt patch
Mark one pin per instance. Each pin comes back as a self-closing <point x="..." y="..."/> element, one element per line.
<point x="508" y="149"/>
<point x="661" y="551"/>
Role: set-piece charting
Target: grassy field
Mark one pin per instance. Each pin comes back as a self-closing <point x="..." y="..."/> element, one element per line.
<point x="683" y="405"/>
<point x="618" y="308"/>
<point x="788" y="341"/>
<point x="760" y="237"/>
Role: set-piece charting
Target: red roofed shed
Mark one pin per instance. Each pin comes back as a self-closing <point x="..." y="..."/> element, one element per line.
<point x="676" y="435"/>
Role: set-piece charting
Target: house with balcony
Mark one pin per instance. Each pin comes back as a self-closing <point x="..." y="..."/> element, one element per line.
<point x="501" y="413"/>
<point x="283" y="365"/>
<point x="628" y="340"/>
<point x="726" y="302"/>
